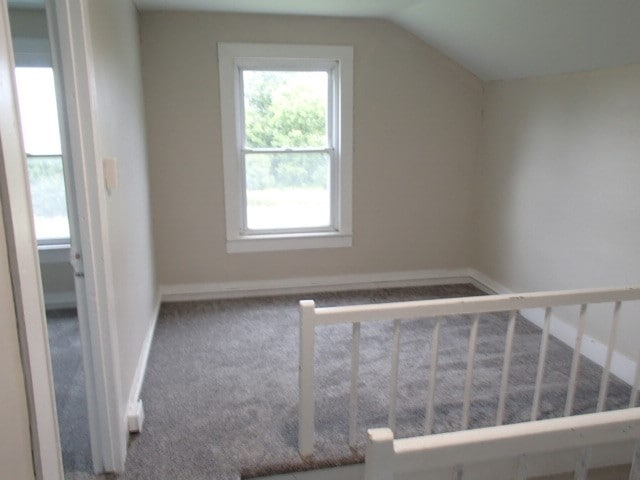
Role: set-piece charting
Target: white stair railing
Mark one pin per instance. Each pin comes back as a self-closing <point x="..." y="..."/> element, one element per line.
<point x="387" y="457"/>
<point x="311" y="316"/>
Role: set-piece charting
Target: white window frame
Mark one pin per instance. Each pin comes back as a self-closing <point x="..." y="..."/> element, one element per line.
<point x="338" y="62"/>
<point x="36" y="53"/>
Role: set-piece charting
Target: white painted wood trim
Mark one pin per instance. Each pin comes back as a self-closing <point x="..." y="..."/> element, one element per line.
<point x="470" y="305"/>
<point x="101" y="358"/>
<point x="135" y="414"/>
<point x="306" y="380"/>
<point x="286" y="286"/>
<point x="486" y="284"/>
<point x="560" y="462"/>
<point x="353" y="393"/>
<point x="621" y="366"/>
<point x="428" y="453"/>
<point x="231" y="56"/>
<point x="380" y="457"/>
<point x="270" y="243"/>
<point x="25" y="271"/>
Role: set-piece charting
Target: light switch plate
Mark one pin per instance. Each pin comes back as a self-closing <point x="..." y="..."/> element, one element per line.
<point x="110" y="167"/>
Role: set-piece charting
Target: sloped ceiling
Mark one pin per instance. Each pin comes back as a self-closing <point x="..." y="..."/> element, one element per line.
<point x="494" y="39"/>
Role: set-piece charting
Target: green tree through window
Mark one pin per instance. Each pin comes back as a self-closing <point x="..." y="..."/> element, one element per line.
<point x="41" y="137"/>
<point x="287" y="167"/>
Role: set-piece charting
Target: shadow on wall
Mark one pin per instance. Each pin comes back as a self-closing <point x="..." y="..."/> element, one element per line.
<point x="57" y="279"/>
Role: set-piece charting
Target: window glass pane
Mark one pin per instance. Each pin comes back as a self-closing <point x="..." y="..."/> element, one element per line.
<point x="285" y="108"/>
<point x="288" y="190"/>
<point x="48" y="197"/>
<point x="38" y="111"/>
<point x="41" y="136"/>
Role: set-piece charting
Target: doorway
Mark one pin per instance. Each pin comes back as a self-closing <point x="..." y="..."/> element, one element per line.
<point x="52" y="205"/>
<point x="111" y="412"/>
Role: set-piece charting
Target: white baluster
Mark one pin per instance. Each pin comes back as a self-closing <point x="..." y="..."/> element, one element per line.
<point x="435" y="346"/>
<point x="468" y="384"/>
<point x="395" y="360"/>
<point x="306" y="378"/>
<point x="379" y="455"/>
<point x="575" y="363"/>
<point x="353" y="397"/>
<point x="604" y="381"/>
<point x="506" y="367"/>
<point x="542" y="359"/>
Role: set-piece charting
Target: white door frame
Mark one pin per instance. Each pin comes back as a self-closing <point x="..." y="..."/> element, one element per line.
<point x="71" y="34"/>
<point x="70" y="30"/>
<point x="25" y="271"/>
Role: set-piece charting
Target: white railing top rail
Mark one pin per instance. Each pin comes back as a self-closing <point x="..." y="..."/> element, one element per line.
<point x="466" y="305"/>
<point x="505" y="441"/>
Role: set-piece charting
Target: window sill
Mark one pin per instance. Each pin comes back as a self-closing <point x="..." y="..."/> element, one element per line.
<point x="271" y="243"/>
<point x="54" y="253"/>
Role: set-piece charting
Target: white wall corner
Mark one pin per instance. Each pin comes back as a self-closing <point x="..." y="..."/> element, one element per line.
<point x="135" y="412"/>
<point x="621" y="366"/>
<point x="483" y="282"/>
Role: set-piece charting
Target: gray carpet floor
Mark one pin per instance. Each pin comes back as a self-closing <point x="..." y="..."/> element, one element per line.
<point x="221" y="389"/>
<point x="71" y="402"/>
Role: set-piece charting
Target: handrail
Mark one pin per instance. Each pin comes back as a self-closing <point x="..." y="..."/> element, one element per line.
<point x="312" y="316"/>
<point x="386" y="456"/>
<point x="468" y="305"/>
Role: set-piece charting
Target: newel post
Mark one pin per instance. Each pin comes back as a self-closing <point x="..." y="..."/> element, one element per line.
<point x="306" y="405"/>
<point x="379" y="456"/>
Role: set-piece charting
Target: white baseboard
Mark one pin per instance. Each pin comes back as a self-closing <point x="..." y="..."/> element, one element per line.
<point x="621" y="366"/>
<point x="135" y="417"/>
<point x="596" y="351"/>
<point x="213" y="291"/>
<point x="135" y="412"/>
<point x="486" y="284"/>
<point x="60" y="301"/>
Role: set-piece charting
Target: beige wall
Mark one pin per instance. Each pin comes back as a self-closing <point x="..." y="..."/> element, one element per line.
<point x="417" y="121"/>
<point x="559" y="184"/>
<point x="15" y="440"/>
<point x="121" y="134"/>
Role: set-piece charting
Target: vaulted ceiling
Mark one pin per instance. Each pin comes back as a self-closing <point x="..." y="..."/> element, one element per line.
<point x="495" y="39"/>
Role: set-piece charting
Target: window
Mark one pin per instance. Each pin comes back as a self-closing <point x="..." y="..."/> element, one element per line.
<point x="287" y="145"/>
<point x="41" y="137"/>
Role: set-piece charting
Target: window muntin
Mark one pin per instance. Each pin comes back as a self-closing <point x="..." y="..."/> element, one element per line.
<point x="41" y="137"/>
<point x="289" y="188"/>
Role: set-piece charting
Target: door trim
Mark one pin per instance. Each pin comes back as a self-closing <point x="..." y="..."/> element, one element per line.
<point x="107" y="406"/>
<point x="25" y="271"/>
